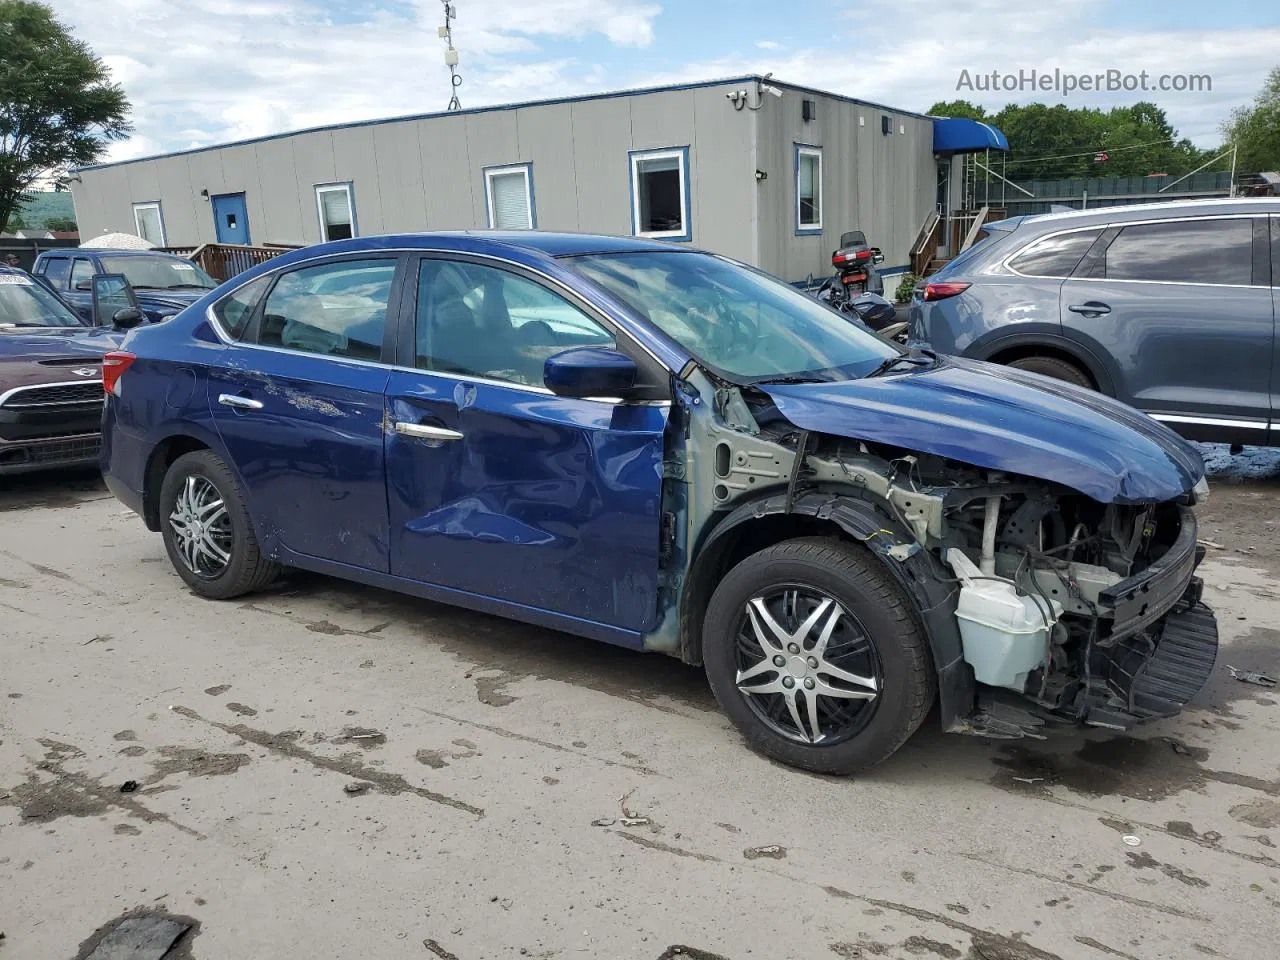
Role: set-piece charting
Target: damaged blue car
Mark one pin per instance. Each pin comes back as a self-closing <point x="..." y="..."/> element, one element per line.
<point x="661" y="448"/>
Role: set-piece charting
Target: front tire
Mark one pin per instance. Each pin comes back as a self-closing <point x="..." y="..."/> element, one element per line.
<point x="206" y="529"/>
<point x="817" y="657"/>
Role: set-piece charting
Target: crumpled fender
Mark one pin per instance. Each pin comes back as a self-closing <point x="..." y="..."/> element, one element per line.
<point x="919" y="574"/>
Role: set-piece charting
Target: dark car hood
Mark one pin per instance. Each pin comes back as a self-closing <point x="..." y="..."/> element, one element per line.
<point x="166" y="301"/>
<point x="1004" y="419"/>
<point x="52" y="354"/>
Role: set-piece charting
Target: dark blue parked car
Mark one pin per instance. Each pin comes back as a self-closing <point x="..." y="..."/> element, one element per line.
<point x="663" y="449"/>
<point x="163" y="283"/>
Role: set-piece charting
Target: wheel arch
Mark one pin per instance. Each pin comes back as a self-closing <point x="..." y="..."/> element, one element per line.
<point x="763" y="522"/>
<point x="179" y="439"/>
<point x="1007" y="349"/>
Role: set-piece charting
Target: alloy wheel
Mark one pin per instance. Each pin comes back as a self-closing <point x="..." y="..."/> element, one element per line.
<point x="807" y="667"/>
<point x="202" y="528"/>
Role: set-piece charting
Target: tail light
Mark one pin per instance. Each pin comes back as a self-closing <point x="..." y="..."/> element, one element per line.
<point x="114" y="364"/>
<point x="840" y="258"/>
<point x="849" y="278"/>
<point x="941" y="291"/>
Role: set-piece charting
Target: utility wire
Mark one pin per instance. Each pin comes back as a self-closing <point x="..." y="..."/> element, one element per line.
<point x="1090" y="153"/>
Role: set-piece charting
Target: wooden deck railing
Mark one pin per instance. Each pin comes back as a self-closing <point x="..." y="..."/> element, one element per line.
<point x="926" y="246"/>
<point x="222" y="261"/>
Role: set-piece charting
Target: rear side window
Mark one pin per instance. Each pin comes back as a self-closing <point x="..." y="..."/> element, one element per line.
<point x="57" y="270"/>
<point x="1184" y="251"/>
<point x="338" y="309"/>
<point x="235" y="311"/>
<point x="82" y="271"/>
<point x="1055" y="256"/>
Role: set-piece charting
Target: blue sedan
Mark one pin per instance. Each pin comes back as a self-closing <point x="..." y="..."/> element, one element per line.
<point x="658" y="447"/>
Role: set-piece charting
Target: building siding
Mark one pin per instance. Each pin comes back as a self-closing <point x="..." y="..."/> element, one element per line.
<point x="427" y="173"/>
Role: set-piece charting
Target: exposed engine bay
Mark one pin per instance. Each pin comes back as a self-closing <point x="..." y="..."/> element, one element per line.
<point x="1089" y="610"/>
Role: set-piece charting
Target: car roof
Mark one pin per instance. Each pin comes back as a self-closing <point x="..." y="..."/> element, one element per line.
<point x="503" y="242"/>
<point x="1149" y="211"/>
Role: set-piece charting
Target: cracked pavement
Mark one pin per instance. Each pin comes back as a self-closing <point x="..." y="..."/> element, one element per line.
<point x="330" y="770"/>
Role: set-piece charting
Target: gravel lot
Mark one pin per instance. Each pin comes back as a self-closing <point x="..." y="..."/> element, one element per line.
<point x="531" y="794"/>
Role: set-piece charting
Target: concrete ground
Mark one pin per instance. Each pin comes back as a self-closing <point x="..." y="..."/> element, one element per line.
<point x="527" y="794"/>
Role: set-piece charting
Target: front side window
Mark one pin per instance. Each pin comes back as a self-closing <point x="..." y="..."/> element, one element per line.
<point x="481" y="321"/>
<point x="1055" y="256"/>
<point x="235" y="311"/>
<point x="660" y="194"/>
<point x="149" y="222"/>
<point x="808" y="189"/>
<point x="338" y="309"/>
<point x="739" y="322"/>
<point x="509" y="197"/>
<point x="56" y="271"/>
<point x="337" y="211"/>
<point x="158" y="272"/>
<point x="81" y="274"/>
<point x="1184" y="251"/>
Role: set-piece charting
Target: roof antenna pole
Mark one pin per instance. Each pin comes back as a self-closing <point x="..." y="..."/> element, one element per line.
<point x="450" y="54"/>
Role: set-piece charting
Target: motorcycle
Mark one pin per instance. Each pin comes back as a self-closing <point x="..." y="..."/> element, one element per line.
<point x="855" y="264"/>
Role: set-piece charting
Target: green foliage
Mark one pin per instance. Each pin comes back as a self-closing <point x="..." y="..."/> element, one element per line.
<point x="60" y="223"/>
<point x="1058" y="142"/>
<point x="58" y="106"/>
<point x="908" y="283"/>
<point x="14" y="223"/>
<point x="1255" y="129"/>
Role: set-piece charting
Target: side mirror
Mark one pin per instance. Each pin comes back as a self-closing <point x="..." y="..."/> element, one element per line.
<point x="876" y="255"/>
<point x="113" y="296"/>
<point x="84" y="283"/>
<point x="589" y="372"/>
<point x="127" y="319"/>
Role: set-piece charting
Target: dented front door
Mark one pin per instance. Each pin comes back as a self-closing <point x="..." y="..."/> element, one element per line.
<point x="496" y="486"/>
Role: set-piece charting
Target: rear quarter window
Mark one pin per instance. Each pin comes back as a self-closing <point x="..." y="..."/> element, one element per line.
<point x="1055" y="256"/>
<point x="1184" y="251"/>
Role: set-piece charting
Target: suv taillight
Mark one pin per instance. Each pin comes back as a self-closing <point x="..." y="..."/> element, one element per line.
<point x="113" y="365"/>
<point x="940" y="291"/>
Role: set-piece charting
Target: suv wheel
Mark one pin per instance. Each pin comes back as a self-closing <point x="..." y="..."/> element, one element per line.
<point x="1058" y="369"/>
<point x="816" y="656"/>
<point x="206" y="529"/>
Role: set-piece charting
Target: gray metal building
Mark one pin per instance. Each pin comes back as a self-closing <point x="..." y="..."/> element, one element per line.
<point x="751" y="167"/>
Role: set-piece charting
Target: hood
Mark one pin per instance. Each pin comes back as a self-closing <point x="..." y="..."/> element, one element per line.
<point x="1003" y="419"/>
<point x="53" y="354"/>
<point x="168" y="301"/>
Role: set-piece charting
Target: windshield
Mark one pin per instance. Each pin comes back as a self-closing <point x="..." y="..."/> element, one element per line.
<point x="738" y="322"/>
<point x="159" y="273"/>
<point x="26" y="303"/>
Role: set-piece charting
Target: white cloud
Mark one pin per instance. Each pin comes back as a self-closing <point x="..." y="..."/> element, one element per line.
<point x="912" y="69"/>
<point x="768" y="45"/>
<point x="208" y="71"/>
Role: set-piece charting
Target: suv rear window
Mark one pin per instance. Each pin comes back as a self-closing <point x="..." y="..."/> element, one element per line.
<point x="1055" y="256"/>
<point x="1184" y="251"/>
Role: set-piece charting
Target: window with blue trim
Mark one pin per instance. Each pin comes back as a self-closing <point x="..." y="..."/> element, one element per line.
<point x="809" y="189"/>
<point x="660" y="194"/>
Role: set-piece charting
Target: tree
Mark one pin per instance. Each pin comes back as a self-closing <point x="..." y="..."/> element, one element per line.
<point x="957" y="108"/>
<point x="61" y="224"/>
<point x="1255" y="129"/>
<point x="58" y="106"/>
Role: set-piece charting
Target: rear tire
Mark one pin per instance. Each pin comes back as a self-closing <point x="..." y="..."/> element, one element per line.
<point x="1055" y="368"/>
<point x="865" y="657"/>
<point x="206" y="529"/>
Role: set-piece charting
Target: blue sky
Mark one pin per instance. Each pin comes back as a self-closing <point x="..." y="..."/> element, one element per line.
<point x="206" y="71"/>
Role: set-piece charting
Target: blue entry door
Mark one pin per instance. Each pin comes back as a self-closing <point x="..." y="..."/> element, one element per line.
<point x="230" y="218"/>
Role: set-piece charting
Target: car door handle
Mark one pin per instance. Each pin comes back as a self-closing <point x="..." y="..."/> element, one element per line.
<point x="426" y="432"/>
<point x="1091" y="309"/>
<point x="239" y="403"/>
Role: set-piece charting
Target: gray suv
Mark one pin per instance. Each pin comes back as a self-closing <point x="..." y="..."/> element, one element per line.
<point x="1169" y="307"/>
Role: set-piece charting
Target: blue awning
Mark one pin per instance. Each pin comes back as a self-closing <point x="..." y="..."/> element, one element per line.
<point x="961" y="135"/>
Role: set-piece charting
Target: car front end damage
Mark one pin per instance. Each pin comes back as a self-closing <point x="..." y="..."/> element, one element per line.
<point x="1119" y="633"/>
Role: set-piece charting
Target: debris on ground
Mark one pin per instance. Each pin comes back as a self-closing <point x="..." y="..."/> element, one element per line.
<point x="1178" y="747"/>
<point x="629" y="817"/>
<point x="1211" y="543"/>
<point x="438" y="950"/>
<point x="148" y="937"/>
<point x="771" y="852"/>
<point x="129" y="786"/>
<point x="1130" y="840"/>
<point x="1254" y="677"/>
<point x="1028" y="779"/>
<point x="355" y="788"/>
<point x="604" y="822"/>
